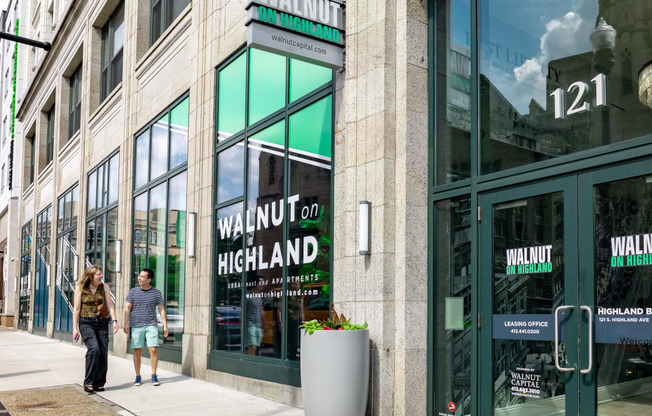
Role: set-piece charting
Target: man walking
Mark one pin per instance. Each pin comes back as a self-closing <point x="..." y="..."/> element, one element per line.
<point x="140" y="315"/>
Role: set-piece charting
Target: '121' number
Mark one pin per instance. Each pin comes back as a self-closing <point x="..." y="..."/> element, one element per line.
<point x="580" y="104"/>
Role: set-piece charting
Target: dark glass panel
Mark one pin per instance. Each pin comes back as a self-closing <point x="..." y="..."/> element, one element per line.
<point x="230" y="173"/>
<point x="228" y="284"/>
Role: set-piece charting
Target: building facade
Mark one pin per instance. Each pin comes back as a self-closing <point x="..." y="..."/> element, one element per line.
<point x="504" y="151"/>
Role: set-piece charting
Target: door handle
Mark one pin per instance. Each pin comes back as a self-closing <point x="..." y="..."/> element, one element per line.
<point x="590" y="367"/>
<point x="559" y="367"/>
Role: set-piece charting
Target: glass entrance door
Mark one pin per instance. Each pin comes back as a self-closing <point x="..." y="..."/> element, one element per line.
<point x="616" y="282"/>
<point x="566" y="305"/>
<point x="529" y="282"/>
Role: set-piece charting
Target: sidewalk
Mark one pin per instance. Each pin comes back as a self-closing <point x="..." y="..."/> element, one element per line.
<point x="34" y="362"/>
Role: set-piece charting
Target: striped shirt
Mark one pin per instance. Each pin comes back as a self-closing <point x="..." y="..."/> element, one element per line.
<point x="144" y="303"/>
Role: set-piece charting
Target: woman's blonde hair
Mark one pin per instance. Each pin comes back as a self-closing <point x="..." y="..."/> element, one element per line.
<point x="84" y="282"/>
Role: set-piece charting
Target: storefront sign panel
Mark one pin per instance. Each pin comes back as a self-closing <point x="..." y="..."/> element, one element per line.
<point x="275" y="40"/>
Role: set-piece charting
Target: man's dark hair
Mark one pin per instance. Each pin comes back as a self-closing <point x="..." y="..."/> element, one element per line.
<point x="150" y="274"/>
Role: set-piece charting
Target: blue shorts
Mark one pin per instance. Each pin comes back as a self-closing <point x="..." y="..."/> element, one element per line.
<point x="140" y="333"/>
<point x="254" y="335"/>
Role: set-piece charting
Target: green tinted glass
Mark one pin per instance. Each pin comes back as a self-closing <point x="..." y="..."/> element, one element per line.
<point x="231" y="97"/>
<point x="305" y="77"/>
<point x="180" y="114"/>
<point x="311" y="128"/>
<point x="274" y="134"/>
<point x="266" y="84"/>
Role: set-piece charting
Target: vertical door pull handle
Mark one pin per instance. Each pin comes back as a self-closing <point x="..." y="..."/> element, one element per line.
<point x="590" y="367"/>
<point x="559" y="367"/>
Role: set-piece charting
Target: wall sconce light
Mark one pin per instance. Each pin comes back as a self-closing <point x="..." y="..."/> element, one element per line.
<point x="29" y="281"/>
<point x="47" y="275"/>
<point x="118" y="256"/>
<point x="75" y="267"/>
<point x="364" y="227"/>
<point x="15" y="284"/>
<point x="192" y="235"/>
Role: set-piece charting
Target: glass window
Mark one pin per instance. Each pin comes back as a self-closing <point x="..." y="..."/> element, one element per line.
<point x="142" y="159"/>
<point x="159" y="156"/>
<point x="159" y="220"/>
<point x="92" y="192"/>
<point x="231" y="97"/>
<point x="176" y="258"/>
<point x="25" y="274"/>
<point x="453" y="91"/>
<point x="112" y="45"/>
<point x="49" y="137"/>
<point x="42" y="268"/>
<point x="266" y="84"/>
<point x="74" y="114"/>
<point x="230" y="173"/>
<point x="113" y="178"/>
<point x="311" y="129"/>
<point x="305" y="77"/>
<point x="228" y="287"/>
<point x="102" y="223"/>
<point x="66" y="252"/>
<point x="559" y="79"/>
<point x="453" y="289"/>
<point x="163" y="13"/>
<point x="266" y="285"/>
<point x="179" y="133"/>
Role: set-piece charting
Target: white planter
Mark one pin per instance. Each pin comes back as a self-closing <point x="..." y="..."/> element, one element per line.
<point x="335" y="372"/>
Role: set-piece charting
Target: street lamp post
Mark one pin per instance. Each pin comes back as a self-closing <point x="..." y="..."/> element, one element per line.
<point x="27" y="41"/>
<point x="603" y="41"/>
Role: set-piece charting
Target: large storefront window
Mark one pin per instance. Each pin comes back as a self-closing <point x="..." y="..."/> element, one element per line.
<point x="159" y="220"/>
<point x="273" y="204"/>
<point x="42" y="268"/>
<point x="102" y="218"/>
<point x="25" y="274"/>
<point x="66" y="252"/>
<point x="552" y="83"/>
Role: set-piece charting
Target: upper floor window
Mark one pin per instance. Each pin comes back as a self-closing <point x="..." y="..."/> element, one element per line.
<point x="112" y="45"/>
<point x="49" y="137"/>
<point x="74" y="113"/>
<point x="163" y="14"/>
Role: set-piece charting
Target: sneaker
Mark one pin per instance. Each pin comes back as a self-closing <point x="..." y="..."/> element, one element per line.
<point x="138" y="381"/>
<point x="155" y="381"/>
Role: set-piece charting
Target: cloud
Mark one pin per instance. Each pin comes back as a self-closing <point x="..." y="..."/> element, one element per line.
<point x="564" y="36"/>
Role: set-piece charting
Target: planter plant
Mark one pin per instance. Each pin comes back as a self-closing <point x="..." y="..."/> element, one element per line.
<point x="334" y="365"/>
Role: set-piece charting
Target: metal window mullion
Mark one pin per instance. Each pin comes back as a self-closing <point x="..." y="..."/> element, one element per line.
<point x="286" y="209"/>
<point x="245" y="201"/>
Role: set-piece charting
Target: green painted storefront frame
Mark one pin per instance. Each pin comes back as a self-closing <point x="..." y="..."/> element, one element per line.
<point x="630" y="151"/>
<point x="274" y="370"/>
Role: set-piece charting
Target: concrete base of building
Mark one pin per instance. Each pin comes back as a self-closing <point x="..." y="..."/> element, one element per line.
<point x="279" y="393"/>
<point x="7" y="320"/>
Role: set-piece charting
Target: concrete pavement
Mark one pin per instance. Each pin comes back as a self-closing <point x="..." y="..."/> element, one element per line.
<point x="34" y="362"/>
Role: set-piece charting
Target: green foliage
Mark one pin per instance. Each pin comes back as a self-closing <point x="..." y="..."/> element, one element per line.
<point x="334" y="323"/>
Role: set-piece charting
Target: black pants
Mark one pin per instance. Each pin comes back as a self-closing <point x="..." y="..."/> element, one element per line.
<point x="95" y="334"/>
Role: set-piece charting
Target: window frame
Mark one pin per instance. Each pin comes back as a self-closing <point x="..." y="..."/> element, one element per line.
<point x="102" y="212"/>
<point x="107" y="81"/>
<point x="167" y="352"/>
<point x="49" y="136"/>
<point x="165" y="20"/>
<point x="74" y="109"/>
<point x="62" y="233"/>
<point x="24" y="298"/>
<point x="285" y="370"/>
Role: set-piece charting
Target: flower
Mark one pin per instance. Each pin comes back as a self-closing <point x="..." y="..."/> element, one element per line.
<point x="335" y="322"/>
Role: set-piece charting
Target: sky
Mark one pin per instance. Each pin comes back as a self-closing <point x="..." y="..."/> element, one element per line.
<point x="519" y="38"/>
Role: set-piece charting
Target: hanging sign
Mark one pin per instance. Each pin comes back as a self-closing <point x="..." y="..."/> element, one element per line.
<point x="310" y="30"/>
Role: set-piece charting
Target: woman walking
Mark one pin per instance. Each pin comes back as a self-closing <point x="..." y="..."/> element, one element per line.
<point x="92" y="301"/>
